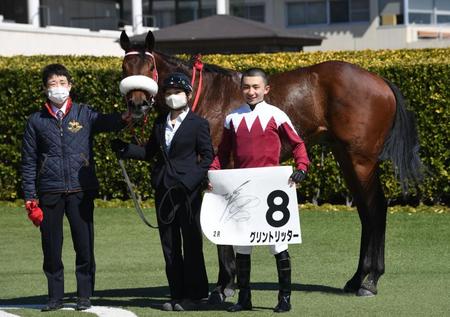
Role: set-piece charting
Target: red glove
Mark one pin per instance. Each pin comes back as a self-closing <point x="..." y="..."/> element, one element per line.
<point x="35" y="213"/>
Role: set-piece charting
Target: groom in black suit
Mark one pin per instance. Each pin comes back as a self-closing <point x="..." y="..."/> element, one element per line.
<point x="182" y="145"/>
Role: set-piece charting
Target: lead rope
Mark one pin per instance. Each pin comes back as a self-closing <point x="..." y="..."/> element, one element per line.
<point x="132" y="130"/>
<point x="133" y="195"/>
<point x="137" y="206"/>
<point x="171" y="216"/>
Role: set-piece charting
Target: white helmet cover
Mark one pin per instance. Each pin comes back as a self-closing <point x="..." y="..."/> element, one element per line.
<point x="138" y="82"/>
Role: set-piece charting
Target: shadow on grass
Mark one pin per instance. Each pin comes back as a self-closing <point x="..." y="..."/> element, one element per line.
<point x="307" y="288"/>
<point x="155" y="297"/>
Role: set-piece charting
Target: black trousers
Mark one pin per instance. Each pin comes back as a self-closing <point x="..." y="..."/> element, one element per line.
<point x="182" y="244"/>
<point x="78" y="208"/>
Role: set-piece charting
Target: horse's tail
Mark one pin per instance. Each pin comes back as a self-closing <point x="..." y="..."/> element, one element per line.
<point x="402" y="144"/>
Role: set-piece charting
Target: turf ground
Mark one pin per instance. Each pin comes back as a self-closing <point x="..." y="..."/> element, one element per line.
<point x="130" y="267"/>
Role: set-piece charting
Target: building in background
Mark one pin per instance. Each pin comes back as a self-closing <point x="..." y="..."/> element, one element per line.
<point x="227" y="34"/>
<point x="92" y="26"/>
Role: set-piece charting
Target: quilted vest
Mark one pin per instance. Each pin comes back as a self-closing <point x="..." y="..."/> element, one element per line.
<point x="58" y="157"/>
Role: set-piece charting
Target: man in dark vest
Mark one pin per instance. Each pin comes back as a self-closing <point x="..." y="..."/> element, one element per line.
<point x="58" y="177"/>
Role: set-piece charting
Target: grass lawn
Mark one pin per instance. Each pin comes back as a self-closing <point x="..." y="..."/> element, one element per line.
<point x="130" y="266"/>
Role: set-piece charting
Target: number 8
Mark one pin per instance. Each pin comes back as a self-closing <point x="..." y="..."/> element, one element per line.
<point x="274" y="207"/>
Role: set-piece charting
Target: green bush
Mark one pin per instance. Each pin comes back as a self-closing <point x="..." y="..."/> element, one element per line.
<point x="422" y="75"/>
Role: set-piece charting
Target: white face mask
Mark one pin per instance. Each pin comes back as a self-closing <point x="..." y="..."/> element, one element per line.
<point x="176" y="101"/>
<point x="58" y="95"/>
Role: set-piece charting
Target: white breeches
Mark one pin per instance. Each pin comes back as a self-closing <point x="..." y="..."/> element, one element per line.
<point x="247" y="249"/>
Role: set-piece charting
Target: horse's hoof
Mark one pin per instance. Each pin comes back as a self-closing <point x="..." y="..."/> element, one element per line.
<point x="365" y="293"/>
<point x="228" y="292"/>
<point x="367" y="289"/>
<point x="216" y="298"/>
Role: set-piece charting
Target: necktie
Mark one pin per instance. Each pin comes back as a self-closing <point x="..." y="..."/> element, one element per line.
<point x="60" y="115"/>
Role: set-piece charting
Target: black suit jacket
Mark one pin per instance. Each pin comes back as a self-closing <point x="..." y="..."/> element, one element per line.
<point x="188" y="159"/>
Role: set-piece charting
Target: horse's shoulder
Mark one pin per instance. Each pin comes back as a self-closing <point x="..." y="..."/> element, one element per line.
<point x="197" y="117"/>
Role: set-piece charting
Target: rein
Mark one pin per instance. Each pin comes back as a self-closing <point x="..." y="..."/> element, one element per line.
<point x="197" y="67"/>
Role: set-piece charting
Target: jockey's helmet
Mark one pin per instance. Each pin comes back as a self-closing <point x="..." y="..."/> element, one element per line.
<point x="177" y="80"/>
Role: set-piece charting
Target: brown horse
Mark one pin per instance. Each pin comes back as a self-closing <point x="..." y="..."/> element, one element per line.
<point x="361" y="116"/>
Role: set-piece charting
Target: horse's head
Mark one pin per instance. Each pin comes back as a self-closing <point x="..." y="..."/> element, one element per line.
<point x="139" y="83"/>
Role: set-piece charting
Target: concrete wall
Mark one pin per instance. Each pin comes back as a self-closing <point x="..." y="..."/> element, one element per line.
<point x="25" y="39"/>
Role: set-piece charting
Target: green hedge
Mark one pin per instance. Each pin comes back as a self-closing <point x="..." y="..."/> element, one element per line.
<point x="422" y="75"/>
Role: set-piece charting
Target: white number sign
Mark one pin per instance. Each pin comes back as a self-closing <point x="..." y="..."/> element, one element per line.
<point x="251" y="206"/>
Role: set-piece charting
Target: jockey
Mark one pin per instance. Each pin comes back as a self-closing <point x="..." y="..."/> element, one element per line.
<point x="252" y="134"/>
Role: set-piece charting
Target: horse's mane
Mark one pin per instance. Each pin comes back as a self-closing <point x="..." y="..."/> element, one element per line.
<point x="206" y="67"/>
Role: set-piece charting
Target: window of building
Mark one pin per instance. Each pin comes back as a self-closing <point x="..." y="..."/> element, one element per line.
<point x="306" y="12"/>
<point x="164" y="18"/>
<point x="189" y="10"/>
<point x="91" y="14"/>
<point x="443" y="18"/>
<point x="421" y="5"/>
<point x="327" y="11"/>
<point x="360" y="10"/>
<point x="14" y="11"/>
<point x="339" y="11"/>
<point x="255" y="12"/>
<point x="420" y="18"/>
<point x="443" y="5"/>
<point x="429" y="11"/>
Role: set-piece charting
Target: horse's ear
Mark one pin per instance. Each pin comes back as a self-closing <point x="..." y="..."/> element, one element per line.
<point x="149" y="41"/>
<point x="124" y="41"/>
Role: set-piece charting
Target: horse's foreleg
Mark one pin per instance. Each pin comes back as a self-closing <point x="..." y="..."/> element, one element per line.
<point x="363" y="181"/>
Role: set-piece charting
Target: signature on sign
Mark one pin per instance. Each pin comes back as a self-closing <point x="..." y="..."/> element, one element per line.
<point x="238" y="204"/>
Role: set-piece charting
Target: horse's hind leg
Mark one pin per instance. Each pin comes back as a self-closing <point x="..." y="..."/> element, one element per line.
<point x="361" y="174"/>
<point x="372" y="209"/>
<point x="225" y="285"/>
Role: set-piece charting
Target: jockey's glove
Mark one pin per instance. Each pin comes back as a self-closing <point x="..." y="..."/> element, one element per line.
<point x="298" y="176"/>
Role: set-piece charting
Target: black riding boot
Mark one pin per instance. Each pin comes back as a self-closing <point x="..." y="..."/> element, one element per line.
<point x="243" y="280"/>
<point x="284" y="282"/>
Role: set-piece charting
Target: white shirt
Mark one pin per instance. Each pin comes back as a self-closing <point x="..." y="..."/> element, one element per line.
<point x="56" y="109"/>
<point x="171" y="130"/>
